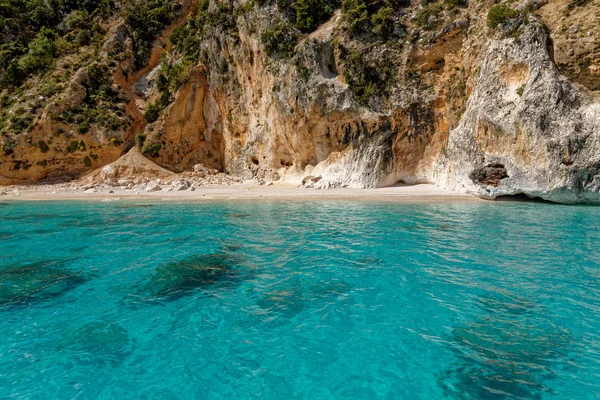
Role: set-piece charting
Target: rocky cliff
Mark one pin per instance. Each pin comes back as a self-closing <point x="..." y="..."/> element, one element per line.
<point x="485" y="98"/>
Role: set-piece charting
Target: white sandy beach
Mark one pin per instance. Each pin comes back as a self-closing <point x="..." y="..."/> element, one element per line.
<point x="241" y="191"/>
<point x="134" y="177"/>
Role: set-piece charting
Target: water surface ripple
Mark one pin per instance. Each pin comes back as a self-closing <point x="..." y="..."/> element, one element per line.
<point x="299" y="300"/>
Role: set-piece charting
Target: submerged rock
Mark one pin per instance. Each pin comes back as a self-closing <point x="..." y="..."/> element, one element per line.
<point x="98" y="343"/>
<point x="176" y="279"/>
<point x="507" y="352"/>
<point x="32" y="283"/>
<point x="284" y="302"/>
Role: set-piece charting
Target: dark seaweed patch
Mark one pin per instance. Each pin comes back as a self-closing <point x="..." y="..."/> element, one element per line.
<point x="284" y="302"/>
<point x="238" y="215"/>
<point x="503" y="354"/>
<point x="127" y="205"/>
<point x="506" y="304"/>
<point x="7" y="235"/>
<point x="29" y="217"/>
<point x="97" y="343"/>
<point x="42" y="231"/>
<point x="292" y="301"/>
<point x="35" y="282"/>
<point x="177" y="279"/>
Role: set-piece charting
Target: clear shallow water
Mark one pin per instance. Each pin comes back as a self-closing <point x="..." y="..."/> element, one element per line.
<point x="299" y="300"/>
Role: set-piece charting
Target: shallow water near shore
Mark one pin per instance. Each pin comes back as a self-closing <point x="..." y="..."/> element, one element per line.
<point x="310" y="300"/>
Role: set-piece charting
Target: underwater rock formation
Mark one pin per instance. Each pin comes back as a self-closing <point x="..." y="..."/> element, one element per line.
<point x="36" y="282"/>
<point x="98" y="343"/>
<point x="176" y="279"/>
<point x="503" y="353"/>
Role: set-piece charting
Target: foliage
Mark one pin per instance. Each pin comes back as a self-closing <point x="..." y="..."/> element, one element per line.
<point x="500" y="14"/>
<point x="170" y="78"/>
<point x="30" y="31"/>
<point x="76" y="20"/>
<point x="375" y="16"/>
<point x="427" y="15"/>
<point x="152" y="113"/>
<point x="577" y="3"/>
<point x="139" y="140"/>
<point x="43" y="146"/>
<point x="279" y="39"/>
<point x="83" y="37"/>
<point x="87" y="162"/>
<point x="41" y="52"/>
<point x="365" y="80"/>
<point x="456" y="3"/>
<point x="101" y="105"/>
<point x="356" y="14"/>
<point x="147" y="18"/>
<point x="76" y="145"/>
<point x="382" y="21"/>
<point x="520" y="90"/>
<point x="311" y="13"/>
<point x="83" y="127"/>
<point x="151" y="149"/>
<point x="186" y="39"/>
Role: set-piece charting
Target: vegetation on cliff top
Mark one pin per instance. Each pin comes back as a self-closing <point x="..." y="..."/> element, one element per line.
<point x="500" y="14"/>
<point x="146" y="19"/>
<point x="33" y="33"/>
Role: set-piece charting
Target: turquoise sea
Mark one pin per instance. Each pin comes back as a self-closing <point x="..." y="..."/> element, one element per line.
<point x="299" y="300"/>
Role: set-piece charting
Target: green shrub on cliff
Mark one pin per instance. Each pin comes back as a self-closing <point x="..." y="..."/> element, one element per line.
<point x="366" y="77"/>
<point x="186" y="39"/>
<point x="140" y="139"/>
<point x="375" y="16"/>
<point x="428" y="17"/>
<point x="357" y="15"/>
<point x="382" y="21"/>
<point x="151" y="149"/>
<point x="152" y="112"/>
<point x="500" y="14"/>
<point x="41" y="52"/>
<point x="33" y="32"/>
<point x="362" y="78"/>
<point x="43" y="146"/>
<point x="102" y="105"/>
<point x="312" y="13"/>
<point x="279" y="39"/>
<point x="147" y="18"/>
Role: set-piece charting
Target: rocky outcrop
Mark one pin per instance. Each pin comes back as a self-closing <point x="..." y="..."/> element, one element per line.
<point x="191" y="130"/>
<point x="527" y="129"/>
<point x="131" y="167"/>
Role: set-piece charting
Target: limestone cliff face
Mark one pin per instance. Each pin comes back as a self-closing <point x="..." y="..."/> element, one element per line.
<point x="493" y="112"/>
<point x="527" y="129"/>
<point x="274" y="118"/>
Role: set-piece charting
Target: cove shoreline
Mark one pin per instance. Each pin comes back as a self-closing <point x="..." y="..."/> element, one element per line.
<point x="420" y="193"/>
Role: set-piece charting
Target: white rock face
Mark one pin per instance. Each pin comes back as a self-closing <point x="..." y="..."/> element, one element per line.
<point x="526" y="130"/>
<point x="153" y="188"/>
<point x="525" y="121"/>
<point x="108" y="172"/>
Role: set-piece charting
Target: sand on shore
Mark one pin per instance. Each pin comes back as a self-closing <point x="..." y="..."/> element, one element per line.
<point x="243" y="191"/>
